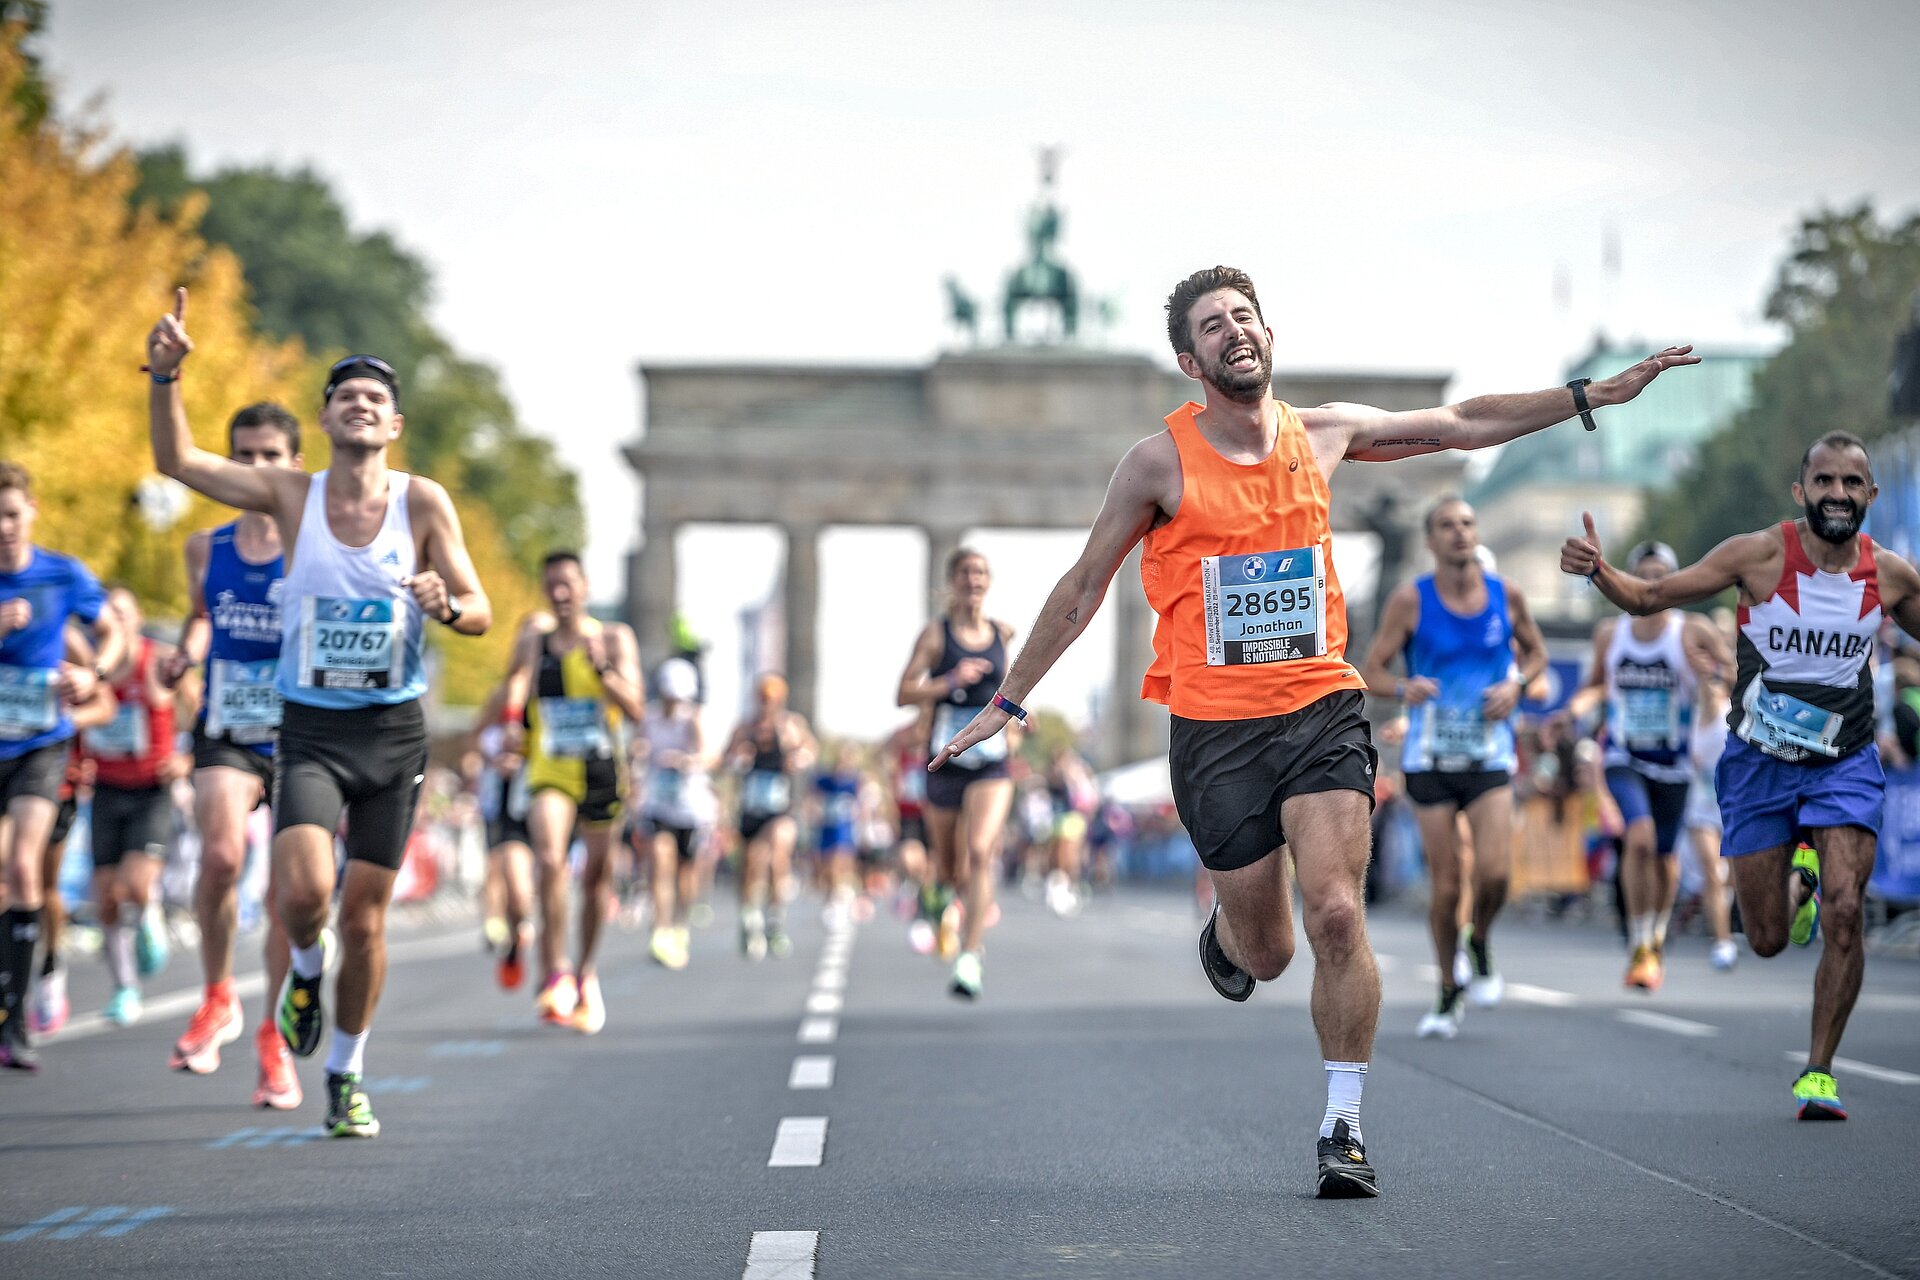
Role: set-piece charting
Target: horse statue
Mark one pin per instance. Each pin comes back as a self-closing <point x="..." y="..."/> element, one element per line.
<point x="1042" y="277"/>
<point x="962" y="312"/>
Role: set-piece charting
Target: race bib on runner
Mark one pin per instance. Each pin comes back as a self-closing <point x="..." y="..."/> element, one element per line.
<point x="28" y="703"/>
<point x="1457" y="736"/>
<point x="1649" y="719"/>
<point x="242" y="703"/>
<point x="949" y="720"/>
<point x="122" y="738"/>
<point x="1266" y="607"/>
<point x="1785" y="727"/>
<point x="573" y="728"/>
<point x="764" y="791"/>
<point x="349" y="643"/>
<point x="666" y="788"/>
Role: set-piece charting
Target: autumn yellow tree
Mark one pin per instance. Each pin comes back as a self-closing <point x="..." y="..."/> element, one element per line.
<point x="84" y="272"/>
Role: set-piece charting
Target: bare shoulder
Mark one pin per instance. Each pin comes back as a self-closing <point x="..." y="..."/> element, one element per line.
<point x="1895" y="570"/>
<point x="428" y="496"/>
<point x="1603" y="632"/>
<point x="199" y="546"/>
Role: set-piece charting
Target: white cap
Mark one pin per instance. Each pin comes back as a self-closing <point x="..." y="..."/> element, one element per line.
<point x="677" y="679"/>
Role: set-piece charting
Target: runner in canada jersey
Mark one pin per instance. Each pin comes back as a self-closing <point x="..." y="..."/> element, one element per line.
<point x="1801" y="755"/>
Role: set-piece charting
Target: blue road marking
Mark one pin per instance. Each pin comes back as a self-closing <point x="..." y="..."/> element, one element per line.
<point x="284" y="1136"/>
<point x="99" y="1217"/>
<point x="139" y="1219"/>
<point x="232" y="1139"/>
<point x="53" y="1219"/>
<point x="468" y="1049"/>
<point x="399" y="1084"/>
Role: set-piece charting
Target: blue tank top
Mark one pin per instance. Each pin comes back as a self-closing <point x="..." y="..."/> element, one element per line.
<point x="1447" y="734"/>
<point x="243" y="604"/>
<point x="56" y="587"/>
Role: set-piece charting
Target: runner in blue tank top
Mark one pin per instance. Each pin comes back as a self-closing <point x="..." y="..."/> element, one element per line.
<point x="1801" y="751"/>
<point x="39" y="591"/>
<point x="1471" y="648"/>
<point x="372" y="552"/>
<point x="235" y="574"/>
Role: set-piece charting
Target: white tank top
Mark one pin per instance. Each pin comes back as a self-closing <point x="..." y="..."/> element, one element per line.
<point x="1650" y="697"/>
<point x="350" y="632"/>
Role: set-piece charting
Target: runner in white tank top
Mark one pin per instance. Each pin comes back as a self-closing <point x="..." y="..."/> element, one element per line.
<point x="373" y="552"/>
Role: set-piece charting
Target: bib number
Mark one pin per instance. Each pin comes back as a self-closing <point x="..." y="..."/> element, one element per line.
<point x="573" y="728"/>
<point x="949" y="720"/>
<point x="242" y="704"/>
<point x="666" y="789"/>
<point x="124" y="737"/>
<point x="28" y="704"/>
<point x="1270" y="606"/>
<point x="1458" y="737"/>
<point x="765" y="792"/>
<point x="1785" y="727"/>
<point x="1647" y="719"/>
<point x="349" y="643"/>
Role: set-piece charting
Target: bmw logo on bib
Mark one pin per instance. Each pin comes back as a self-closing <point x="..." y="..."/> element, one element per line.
<point x="1255" y="568"/>
<point x="339" y="610"/>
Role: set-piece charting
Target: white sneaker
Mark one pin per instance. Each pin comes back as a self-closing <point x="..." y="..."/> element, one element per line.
<point x="1724" y="954"/>
<point x="1462" y="967"/>
<point x="1485" y="992"/>
<point x="1442" y="1022"/>
<point x="1061" y="899"/>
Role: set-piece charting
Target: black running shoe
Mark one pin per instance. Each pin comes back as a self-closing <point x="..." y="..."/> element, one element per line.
<point x="1344" y="1171"/>
<point x="300" y="1017"/>
<point x="349" y="1114"/>
<point x="16" y="1051"/>
<point x="1228" y="978"/>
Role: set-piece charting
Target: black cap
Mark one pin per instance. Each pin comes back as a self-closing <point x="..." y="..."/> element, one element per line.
<point x="362" y="367"/>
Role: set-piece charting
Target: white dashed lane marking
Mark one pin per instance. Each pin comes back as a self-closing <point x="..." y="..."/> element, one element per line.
<point x="819" y="1030"/>
<point x="1886" y="1075"/>
<point x="1666" y="1022"/>
<point x="781" y="1255"/>
<point x="824" y="1002"/>
<point x="811" y="1072"/>
<point x="800" y="1143"/>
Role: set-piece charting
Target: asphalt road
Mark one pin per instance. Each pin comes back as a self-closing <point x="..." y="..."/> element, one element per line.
<point x="1099" y="1113"/>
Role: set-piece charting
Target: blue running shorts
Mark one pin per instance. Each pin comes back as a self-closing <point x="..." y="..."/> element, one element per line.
<point x="1765" y="802"/>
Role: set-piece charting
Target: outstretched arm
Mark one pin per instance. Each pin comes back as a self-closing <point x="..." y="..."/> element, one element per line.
<point x="1724" y="566"/>
<point x="1375" y="435"/>
<point x="174" y="452"/>
<point x="1132" y="502"/>
<point x="450" y="577"/>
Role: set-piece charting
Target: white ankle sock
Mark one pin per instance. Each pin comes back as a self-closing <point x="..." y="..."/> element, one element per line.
<point x="1660" y="927"/>
<point x="1345" y="1080"/>
<point x="309" y="961"/>
<point x="346" y="1053"/>
<point x="1641" y="932"/>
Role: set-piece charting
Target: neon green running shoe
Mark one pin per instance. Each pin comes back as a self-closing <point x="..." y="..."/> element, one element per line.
<point x="1818" y="1097"/>
<point x="1806" y="920"/>
<point x="349" y="1114"/>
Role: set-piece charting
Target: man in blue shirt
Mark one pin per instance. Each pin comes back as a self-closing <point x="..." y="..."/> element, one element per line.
<point x="39" y="591"/>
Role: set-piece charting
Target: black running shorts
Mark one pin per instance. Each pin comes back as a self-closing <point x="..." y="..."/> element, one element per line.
<point x="366" y="762"/>
<point x="684" y="843"/>
<point x="219" y="753"/>
<point x="947" y="785"/>
<point x="38" y="773"/>
<point x="1230" y="777"/>
<point x="1456" y="790"/>
<point x="137" y="822"/>
<point x="63" y="824"/>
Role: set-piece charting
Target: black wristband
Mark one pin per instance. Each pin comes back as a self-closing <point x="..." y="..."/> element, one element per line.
<point x="1579" y="388"/>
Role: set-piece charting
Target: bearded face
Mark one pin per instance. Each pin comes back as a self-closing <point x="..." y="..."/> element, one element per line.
<point x="1244" y="369"/>
<point x="1834" y="519"/>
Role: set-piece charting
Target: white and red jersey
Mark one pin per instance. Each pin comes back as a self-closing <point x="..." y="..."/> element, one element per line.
<point x="1805" y="686"/>
<point x="129" y="751"/>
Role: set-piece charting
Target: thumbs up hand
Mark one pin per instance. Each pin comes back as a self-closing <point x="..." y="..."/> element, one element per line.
<point x="1581" y="556"/>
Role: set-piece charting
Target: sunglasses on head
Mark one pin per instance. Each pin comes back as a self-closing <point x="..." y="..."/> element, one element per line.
<point x="353" y="362"/>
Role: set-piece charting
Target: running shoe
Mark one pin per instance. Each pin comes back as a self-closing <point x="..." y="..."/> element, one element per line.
<point x="150" y="949"/>
<point x="700" y="915"/>
<point x="1443" y="1021"/>
<point x="50" y="1005"/>
<point x="1485" y="987"/>
<point x="278" y="1088"/>
<point x="1818" y="1097"/>
<point x="590" y="1010"/>
<point x="16" y="1054"/>
<point x="494" y="935"/>
<point x="660" y="947"/>
<point x="1462" y="962"/>
<point x="966" y="976"/>
<point x="1645" y="972"/>
<point x="920" y="937"/>
<point x="123" y="1007"/>
<point x="779" y="945"/>
<point x="1806" y="918"/>
<point x="512" y="969"/>
<point x="753" y="934"/>
<point x="1723" y="955"/>
<point x="947" y="933"/>
<point x="1228" y="978"/>
<point x="349" y="1113"/>
<point x="300" y="1016"/>
<point x="1344" y="1171"/>
<point x="216" y="1022"/>
<point x="557" y="999"/>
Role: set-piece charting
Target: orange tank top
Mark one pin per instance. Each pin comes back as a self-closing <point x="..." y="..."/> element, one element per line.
<point x="1252" y="620"/>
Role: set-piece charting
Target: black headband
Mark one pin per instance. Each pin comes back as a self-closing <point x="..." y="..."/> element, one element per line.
<point x="362" y="367"/>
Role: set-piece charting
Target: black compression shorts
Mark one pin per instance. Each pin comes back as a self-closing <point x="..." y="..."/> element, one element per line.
<point x="1455" y="789"/>
<point x="139" y="821"/>
<point x="366" y="762"/>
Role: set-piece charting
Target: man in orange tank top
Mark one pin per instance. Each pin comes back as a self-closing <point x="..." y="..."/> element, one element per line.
<point x="1269" y="748"/>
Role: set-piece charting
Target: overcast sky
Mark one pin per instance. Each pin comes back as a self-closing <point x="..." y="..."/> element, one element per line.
<point x="600" y="184"/>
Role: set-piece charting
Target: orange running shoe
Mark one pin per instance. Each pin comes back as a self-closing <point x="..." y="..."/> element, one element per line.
<point x="557" y="999"/>
<point x="1645" y="972"/>
<point x="513" y="966"/>
<point x="590" y="1013"/>
<point x="279" y="1086"/>
<point x="217" y="1021"/>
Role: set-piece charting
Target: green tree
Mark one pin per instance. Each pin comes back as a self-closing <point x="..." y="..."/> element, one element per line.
<point x="1844" y="293"/>
<point x="20" y="22"/>
<point x="311" y="276"/>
